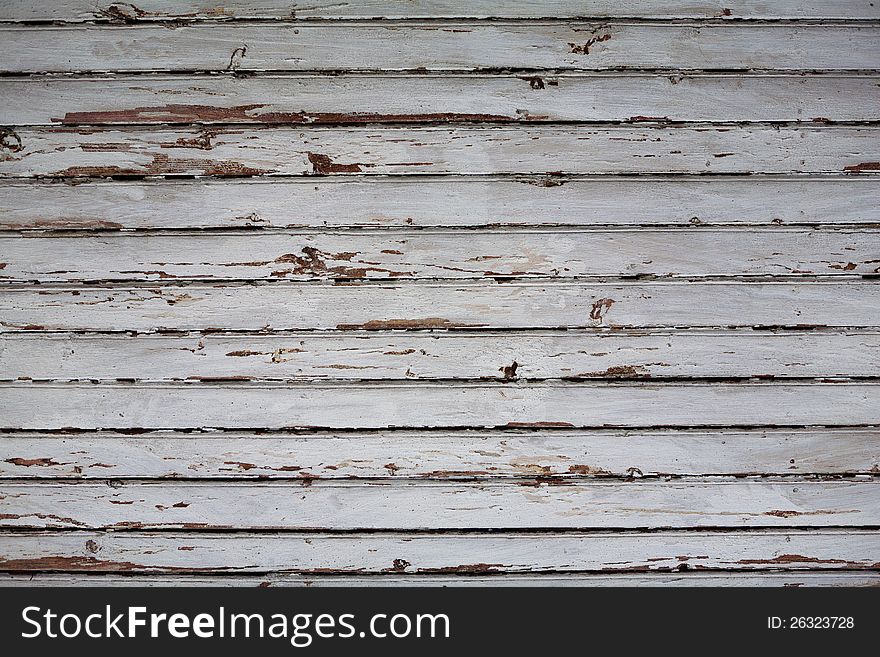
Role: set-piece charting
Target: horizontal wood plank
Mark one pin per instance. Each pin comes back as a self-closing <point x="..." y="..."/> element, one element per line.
<point x="425" y="306"/>
<point x="435" y="555"/>
<point x="442" y="455"/>
<point x="440" y="505"/>
<point x="462" y="46"/>
<point x="65" y="152"/>
<point x="442" y="255"/>
<point x="795" y="578"/>
<point x="427" y="405"/>
<point x="414" y="355"/>
<point x="429" y="201"/>
<point x="160" y="10"/>
<point x="353" y="99"/>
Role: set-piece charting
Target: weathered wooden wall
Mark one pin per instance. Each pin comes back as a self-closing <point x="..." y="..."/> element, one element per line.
<point x="524" y="292"/>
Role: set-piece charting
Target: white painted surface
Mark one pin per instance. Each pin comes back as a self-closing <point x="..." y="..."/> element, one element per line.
<point x="447" y="305"/>
<point x="437" y="202"/>
<point x="457" y="46"/>
<point x="468" y="554"/>
<point x="640" y="302"/>
<point x="436" y="405"/>
<point x="384" y="355"/>
<point x="442" y="505"/>
<point x="793" y="578"/>
<point x="403" y="255"/>
<point x="275" y="99"/>
<point x="463" y="454"/>
<point x="147" y="10"/>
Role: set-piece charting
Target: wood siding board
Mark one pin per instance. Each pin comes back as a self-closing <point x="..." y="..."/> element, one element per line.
<point x="247" y="151"/>
<point x="436" y="405"/>
<point x="317" y="505"/>
<point x="189" y="10"/>
<point x="486" y="203"/>
<point x="442" y="455"/>
<point x="401" y="356"/>
<point x="443" y="305"/>
<point x="442" y="255"/>
<point x="461" y="46"/>
<point x="795" y="578"/>
<point x="353" y="99"/>
<point x="384" y="555"/>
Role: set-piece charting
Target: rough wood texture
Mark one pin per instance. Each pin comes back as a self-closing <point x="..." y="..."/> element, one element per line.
<point x="244" y="151"/>
<point x="468" y="554"/>
<point x="234" y="405"/>
<point x="390" y="355"/>
<point x="433" y="202"/>
<point x="157" y="10"/>
<point x="276" y="99"/>
<point x="430" y="292"/>
<point x="441" y="505"/>
<point x="442" y="455"/>
<point x="423" y="202"/>
<point x="449" y="305"/>
<point x="793" y="578"/>
<point x="442" y="255"/>
<point x="459" y="46"/>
